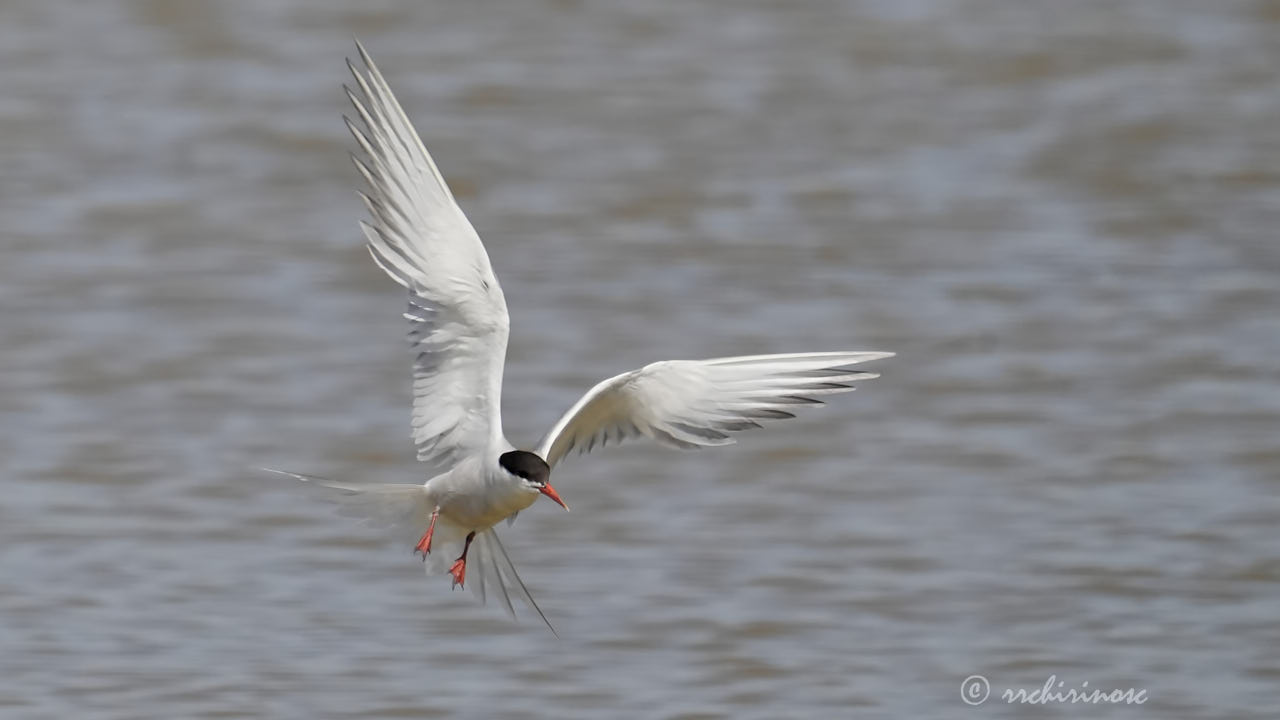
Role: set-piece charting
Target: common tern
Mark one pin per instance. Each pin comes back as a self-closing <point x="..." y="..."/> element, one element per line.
<point x="421" y="238"/>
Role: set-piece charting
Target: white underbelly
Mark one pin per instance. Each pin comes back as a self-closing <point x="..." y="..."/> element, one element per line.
<point x="482" y="510"/>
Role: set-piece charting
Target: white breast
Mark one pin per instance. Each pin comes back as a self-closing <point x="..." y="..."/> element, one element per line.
<point x="478" y="495"/>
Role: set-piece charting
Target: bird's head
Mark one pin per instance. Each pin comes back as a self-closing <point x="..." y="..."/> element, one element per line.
<point x="533" y="471"/>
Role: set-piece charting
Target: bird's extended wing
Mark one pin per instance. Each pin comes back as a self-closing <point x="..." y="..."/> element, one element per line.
<point x="695" y="403"/>
<point x="421" y="238"/>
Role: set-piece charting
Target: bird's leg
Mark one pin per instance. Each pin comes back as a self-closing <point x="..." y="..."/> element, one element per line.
<point x="459" y="569"/>
<point x="424" y="544"/>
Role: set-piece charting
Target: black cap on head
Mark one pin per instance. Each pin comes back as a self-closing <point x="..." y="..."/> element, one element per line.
<point x="525" y="464"/>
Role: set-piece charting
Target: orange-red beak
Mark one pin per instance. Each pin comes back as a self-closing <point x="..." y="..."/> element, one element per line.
<point x="551" y="493"/>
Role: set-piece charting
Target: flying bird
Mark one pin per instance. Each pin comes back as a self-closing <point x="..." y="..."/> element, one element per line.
<point x="417" y="234"/>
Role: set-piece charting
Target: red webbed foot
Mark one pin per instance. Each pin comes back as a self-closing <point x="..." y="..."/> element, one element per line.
<point x="459" y="572"/>
<point x="459" y="569"/>
<point x="424" y="543"/>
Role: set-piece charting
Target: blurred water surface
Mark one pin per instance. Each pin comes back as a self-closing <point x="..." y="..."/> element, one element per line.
<point x="1062" y="216"/>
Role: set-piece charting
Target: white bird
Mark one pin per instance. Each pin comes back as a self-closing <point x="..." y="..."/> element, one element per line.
<point x="420" y="237"/>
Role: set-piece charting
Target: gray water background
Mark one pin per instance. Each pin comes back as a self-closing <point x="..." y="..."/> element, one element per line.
<point x="1062" y="215"/>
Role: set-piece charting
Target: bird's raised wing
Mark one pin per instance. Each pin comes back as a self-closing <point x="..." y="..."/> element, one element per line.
<point x="695" y="403"/>
<point x="420" y="237"/>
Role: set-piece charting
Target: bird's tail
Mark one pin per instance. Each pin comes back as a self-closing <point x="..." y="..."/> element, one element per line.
<point x="489" y="570"/>
<point x="406" y="509"/>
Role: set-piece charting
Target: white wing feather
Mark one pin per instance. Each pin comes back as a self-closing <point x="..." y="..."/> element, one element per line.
<point x="421" y="238"/>
<point x="696" y="403"/>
